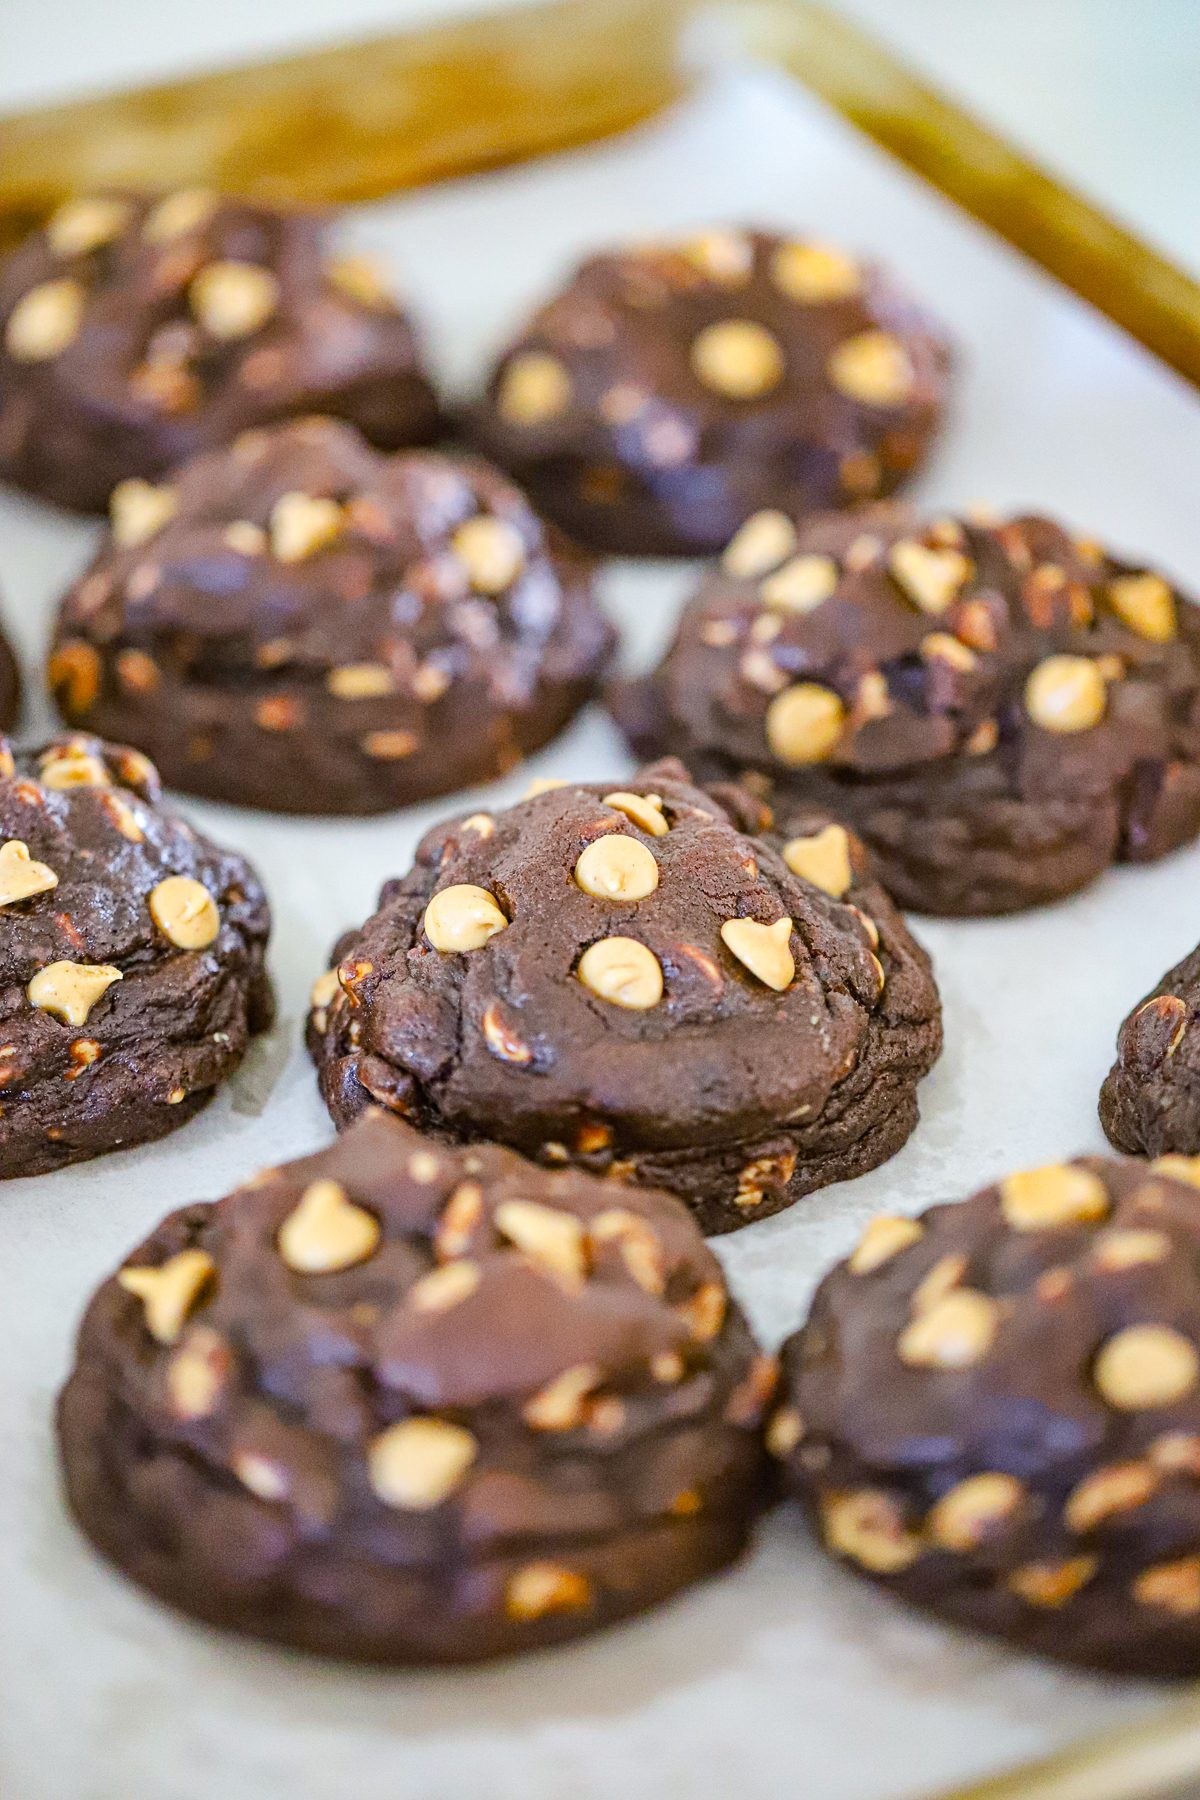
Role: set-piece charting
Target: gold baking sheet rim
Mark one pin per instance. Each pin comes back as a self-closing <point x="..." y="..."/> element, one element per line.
<point x="358" y="121"/>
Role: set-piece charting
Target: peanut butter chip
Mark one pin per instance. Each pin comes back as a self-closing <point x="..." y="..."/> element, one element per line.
<point x="20" y="875"/>
<point x="1146" y="604"/>
<point x="559" y="1405"/>
<point x="930" y="578"/>
<point x="462" y="918"/>
<point x="725" y="257"/>
<point x="761" y="544"/>
<point x="874" y="368"/>
<point x="622" y="970"/>
<point x="1146" y="1365"/>
<point x="811" y="274"/>
<point x="965" y="1516"/>
<point x="784" y="1432"/>
<point x="196" y="1374"/>
<point x="641" y="809"/>
<point x="801" y="585"/>
<point x="80" y="226"/>
<point x="1119" y="1250"/>
<point x="939" y="646"/>
<point x="45" y="321"/>
<point x="1051" y="1585"/>
<point x="178" y="214"/>
<point x="326" y="1231"/>
<point x="738" y="358"/>
<point x="1060" y="1194"/>
<point x="543" y="784"/>
<point x="360" y="681"/>
<point x="804" y="723"/>
<point x="1118" y="1489"/>
<point x="883" y="1238"/>
<point x="764" y="949"/>
<point x="169" y="1292"/>
<point x="138" y="511"/>
<point x="247" y="539"/>
<point x="1178" y="1168"/>
<point x="533" y="388"/>
<point x="232" y="299"/>
<point x="302" y="524"/>
<point x="492" y="551"/>
<point x="417" y="1464"/>
<point x="553" y="1238"/>
<point x="616" y="867"/>
<point x="545" y="1587"/>
<point x="324" y="989"/>
<point x="823" y="859"/>
<point x="952" y="1334"/>
<point x="362" y="279"/>
<point x="1066" y="694"/>
<point x="186" y="912"/>
<point x="1175" y="1586"/>
<point x="868" y="1526"/>
<point x="71" y="989"/>
<point x="69" y="768"/>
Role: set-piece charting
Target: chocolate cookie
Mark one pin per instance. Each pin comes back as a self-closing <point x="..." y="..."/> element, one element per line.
<point x="302" y="624"/>
<point x="999" y="711"/>
<point x="1150" y="1101"/>
<point x="614" y="975"/>
<point x="135" y="332"/>
<point x="995" y="1410"/>
<point x="10" y="686"/>
<point x="405" y="1404"/>
<point x="131" y="957"/>
<point x="669" y="392"/>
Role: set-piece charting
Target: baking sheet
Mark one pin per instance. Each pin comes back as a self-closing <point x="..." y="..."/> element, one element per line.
<point x="787" y="1677"/>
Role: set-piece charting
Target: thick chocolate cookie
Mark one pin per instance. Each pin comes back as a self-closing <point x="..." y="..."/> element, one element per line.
<point x="999" y="711"/>
<point x="995" y="1410"/>
<point x="669" y="392"/>
<point x="10" y="686"/>
<point x="135" y="332"/>
<point x="302" y="624"/>
<point x="1150" y="1101"/>
<point x="400" y="1403"/>
<point x="131" y="957"/>
<point x="614" y="975"/>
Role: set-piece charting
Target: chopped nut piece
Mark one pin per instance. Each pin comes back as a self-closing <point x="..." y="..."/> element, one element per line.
<point x="74" y="673"/>
<point x="868" y="1526"/>
<point x="559" y="1405"/>
<point x="640" y="809"/>
<point x="80" y="226"/>
<point x="169" y="1292"/>
<point x="759" y="545"/>
<point x="811" y="274"/>
<point x="939" y="646"/>
<point x="45" y="321"/>
<point x="1058" y="1195"/>
<point x="362" y="279"/>
<point x="417" y="1464"/>
<point x="983" y="739"/>
<point x="1146" y="604"/>
<point x="622" y="970"/>
<point x="1051" y="1585"/>
<point x="446" y="1287"/>
<point x="764" y="949"/>
<point x="501" y="1039"/>
<point x="232" y="299"/>
<point x="360" y="681"/>
<point x="1179" y="1168"/>
<point x="883" y="1238"/>
<point x="763" y="1174"/>
<point x="197" y="1373"/>
<point x="804" y="723"/>
<point x="20" y="875"/>
<point x="462" y="918"/>
<point x="874" y="368"/>
<point x="245" y="538"/>
<point x="533" y="388"/>
<point x="1118" y="1489"/>
<point x="545" y="1587"/>
<point x="543" y="784"/>
<point x="461" y="1215"/>
<point x="823" y="859"/>
<point x="186" y="912"/>
<point x="1066" y="694"/>
<point x="945" y="1275"/>
<point x="1175" y="1586"/>
<point x="326" y="1231"/>
<point x="553" y="1238"/>
<point x="492" y="551"/>
<point x="966" y="1515"/>
<point x="137" y="672"/>
<point x="616" y="867"/>
<point x="71" y="989"/>
<point x="801" y="585"/>
<point x="302" y="524"/>
<point x="638" y="1243"/>
<point x="930" y="578"/>
<point x="178" y="214"/>
<point x="738" y="358"/>
<point x="725" y="257"/>
<point x="953" y="1334"/>
<point x="482" y="824"/>
<point x="1117" y="1250"/>
<point x="325" y="989"/>
<point x="138" y="511"/>
<point x="757" y="668"/>
<point x="784" y="1432"/>
<point x="1146" y="1365"/>
<point x="704" y="1312"/>
<point x="390" y="746"/>
<point x="264" y="1478"/>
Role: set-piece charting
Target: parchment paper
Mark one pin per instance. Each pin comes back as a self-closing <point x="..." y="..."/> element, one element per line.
<point x="788" y="1677"/>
